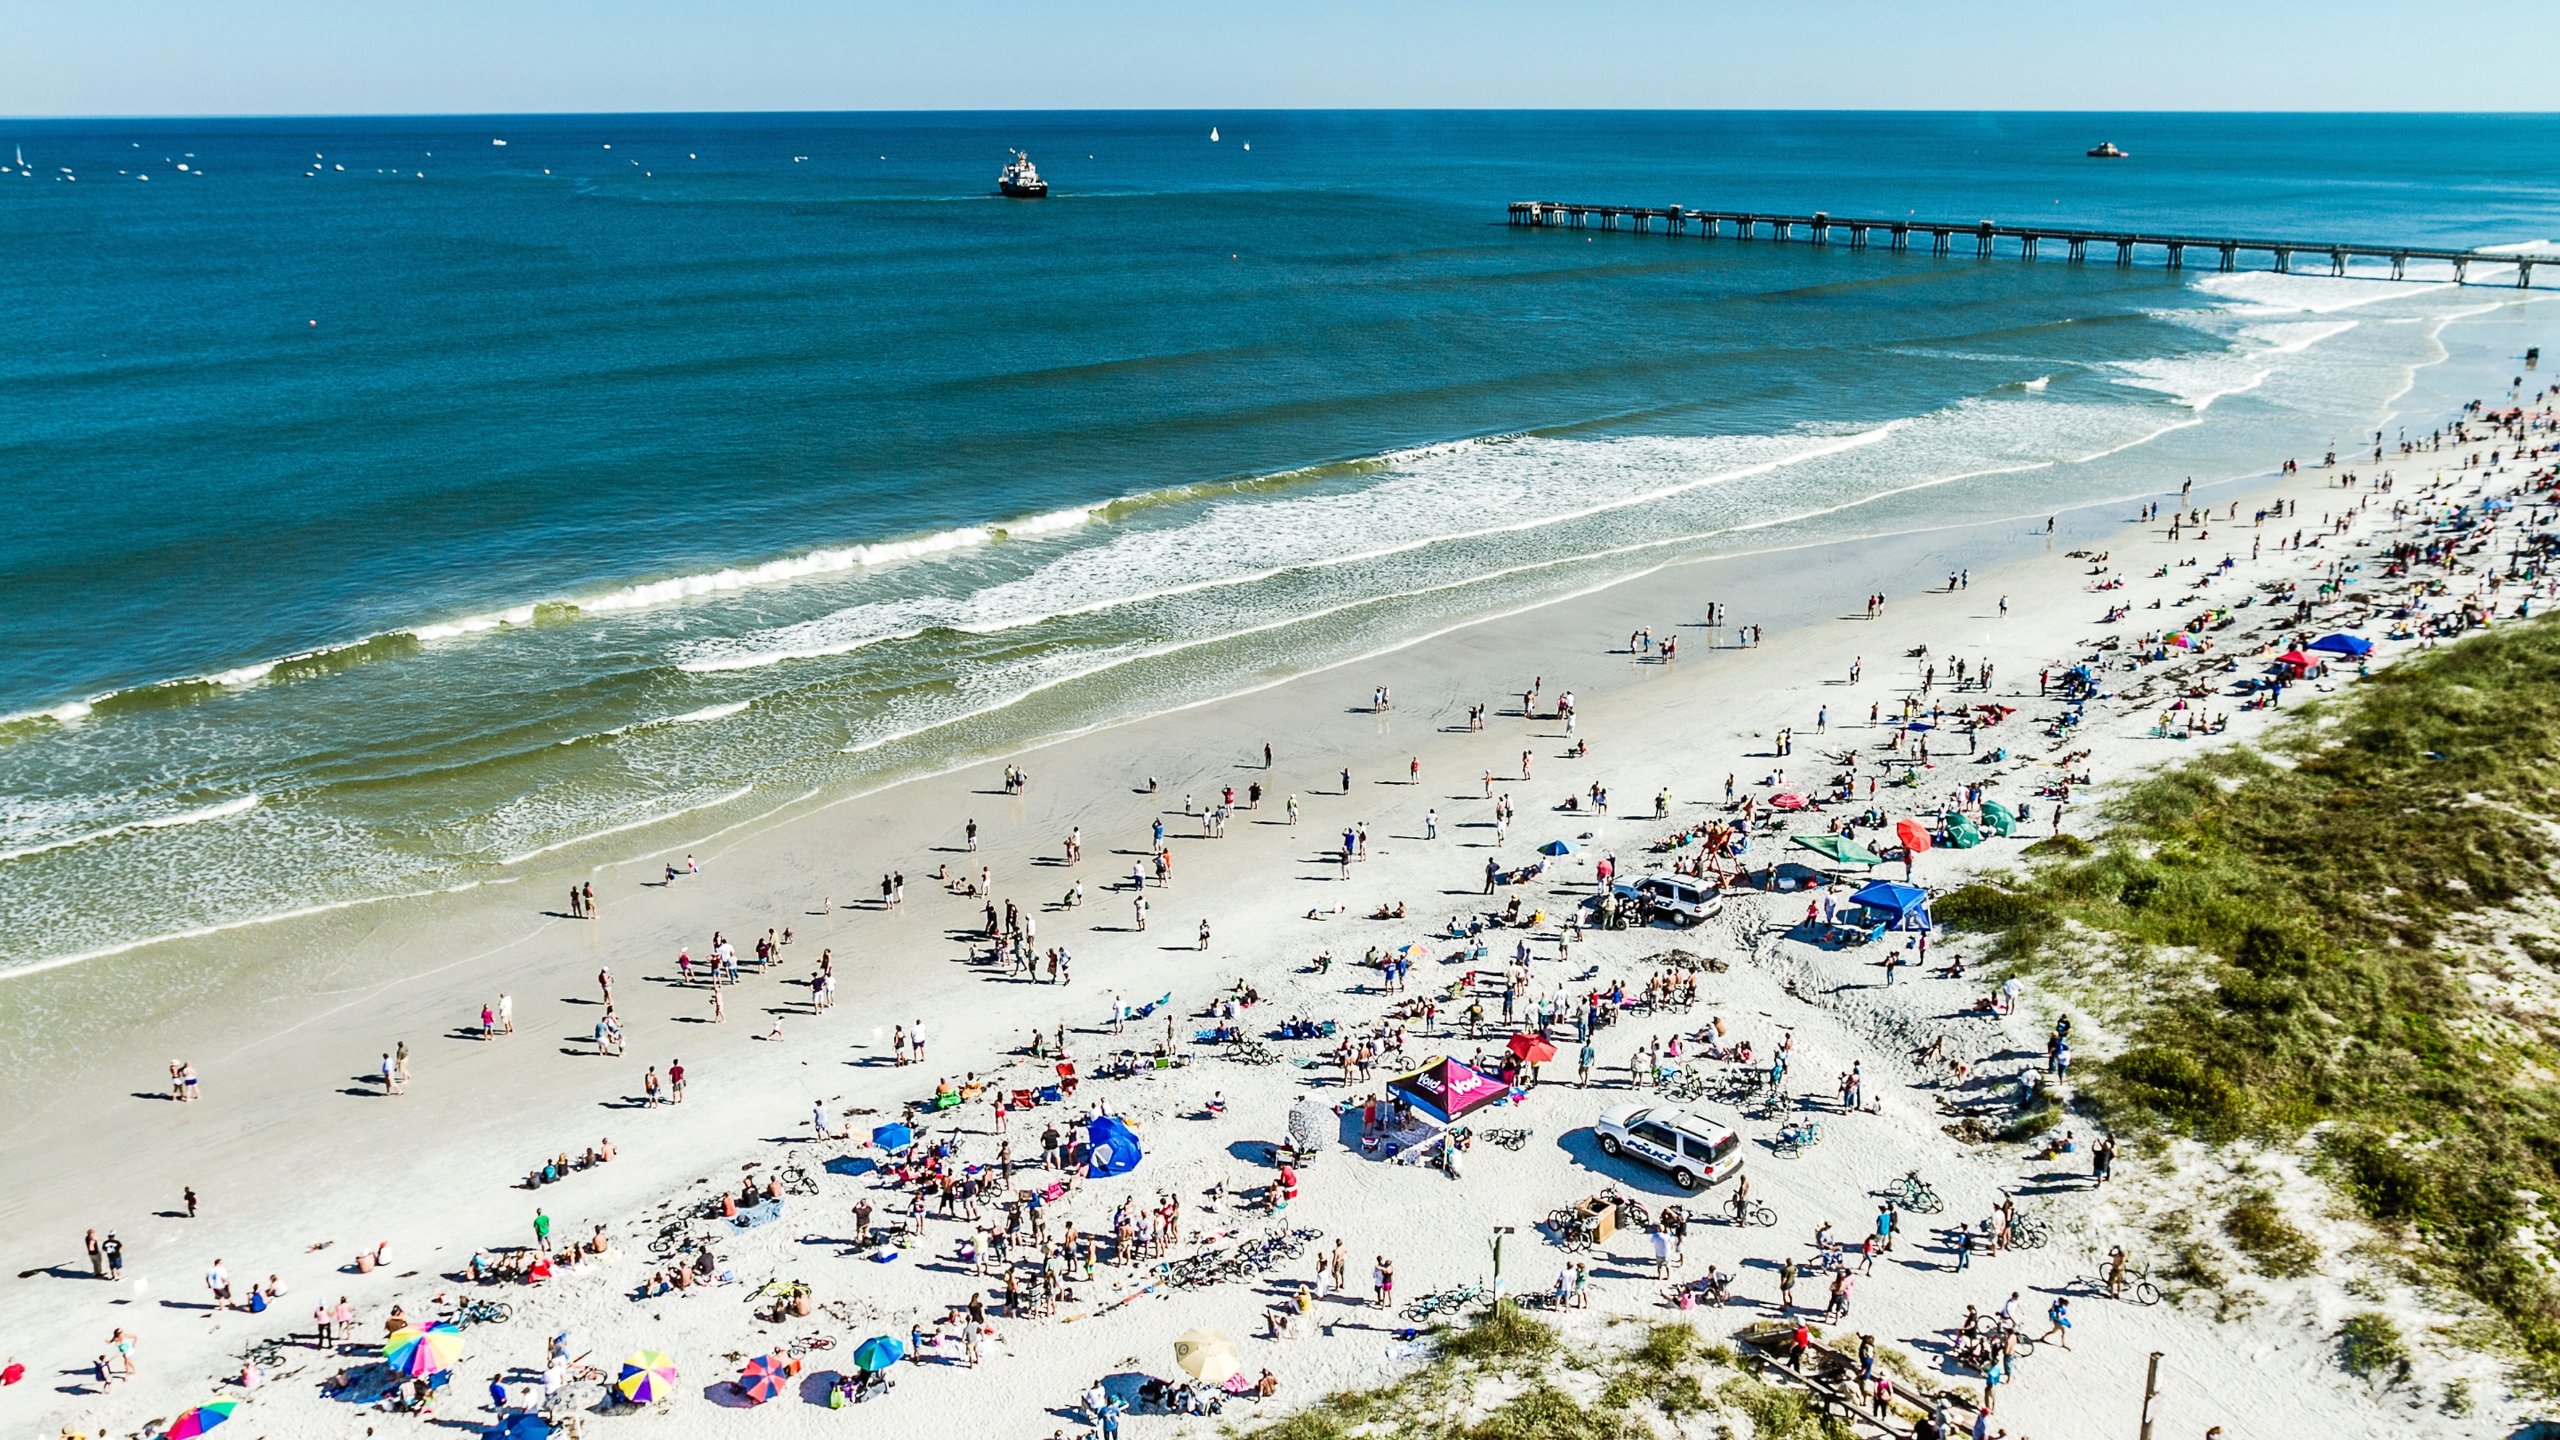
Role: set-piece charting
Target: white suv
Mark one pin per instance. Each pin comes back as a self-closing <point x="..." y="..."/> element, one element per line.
<point x="1676" y="897"/>
<point x="1690" y="1148"/>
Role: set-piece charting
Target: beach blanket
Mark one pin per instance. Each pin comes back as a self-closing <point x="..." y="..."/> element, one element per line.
<point x="762" y="1213"/>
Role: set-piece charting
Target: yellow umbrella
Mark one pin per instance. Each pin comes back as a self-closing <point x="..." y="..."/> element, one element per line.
<point x="647" y="1377"/>
<point x="1207" y="1356"/>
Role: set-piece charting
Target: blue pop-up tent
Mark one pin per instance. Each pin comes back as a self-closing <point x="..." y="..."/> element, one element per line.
<point x="1115" y="1147"/>
<point x="2342" y="644"/>
<point x="1907" y="906"/>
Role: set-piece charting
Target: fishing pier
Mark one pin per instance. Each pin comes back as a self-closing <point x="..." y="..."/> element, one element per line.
<point x="1985" y="239"/>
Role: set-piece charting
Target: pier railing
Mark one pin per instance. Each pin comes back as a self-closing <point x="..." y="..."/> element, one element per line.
<point x="1988" y="238"/>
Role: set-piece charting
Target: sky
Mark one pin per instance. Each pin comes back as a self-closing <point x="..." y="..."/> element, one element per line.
<point x="333" y="57"/>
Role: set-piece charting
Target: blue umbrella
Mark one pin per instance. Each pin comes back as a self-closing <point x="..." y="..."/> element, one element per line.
<point x="1556" y="847"/>
<point x="878" y="1353"/>
<point x="893" y="1137"/>
<point x="1919" y="725"/>
<point x="1115" y="1147"/>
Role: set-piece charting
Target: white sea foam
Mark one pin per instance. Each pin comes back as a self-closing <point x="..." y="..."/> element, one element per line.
<point x="239" y="805"/>
<point x="642" y="822"/>
<point x="833" y="561"/>
<point x="1055" y="521"/>
<point x="690" y="717"/>
<point x="473" y="624"/>
<point x="1422" y="498"/>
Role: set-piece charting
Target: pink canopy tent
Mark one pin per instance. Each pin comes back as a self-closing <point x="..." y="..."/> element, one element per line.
<point x="1446" y="1090"/>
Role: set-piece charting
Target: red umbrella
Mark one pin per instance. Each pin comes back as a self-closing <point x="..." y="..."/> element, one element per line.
<point x="764" y="1376"/>
<point x="1786" y="800"/>
<point x="1532" y="1048"/>
<point x="1915" y="836"/>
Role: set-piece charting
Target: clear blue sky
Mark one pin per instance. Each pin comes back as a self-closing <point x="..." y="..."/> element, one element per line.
<point x="208" y="57"/>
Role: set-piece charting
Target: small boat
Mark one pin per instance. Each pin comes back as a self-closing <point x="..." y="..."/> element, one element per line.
<point x="2106" y="150"/>
<point x="1213" y="134"/>
<point x="1020" y="180"/>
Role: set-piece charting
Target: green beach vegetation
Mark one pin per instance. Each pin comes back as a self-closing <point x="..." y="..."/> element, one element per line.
<point x="1509" y="1375"/>
<point x="2342" y="937"/>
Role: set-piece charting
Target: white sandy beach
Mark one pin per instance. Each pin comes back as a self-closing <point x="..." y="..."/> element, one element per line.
<point x="300" y="1162"/>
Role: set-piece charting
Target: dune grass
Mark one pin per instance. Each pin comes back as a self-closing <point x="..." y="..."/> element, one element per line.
<point x="2303" y="923"/>
<point x="1508" y="1375"/>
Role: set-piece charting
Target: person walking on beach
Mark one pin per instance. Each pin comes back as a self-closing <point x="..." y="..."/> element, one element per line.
<point x="390" y="1077"/>
<point x="649" y="1087"/>
<point x="542" y="1231"/>
<point x="113" y="1250"/>
<point x="97" y="1256"/>
<point x="675" y="1081"/>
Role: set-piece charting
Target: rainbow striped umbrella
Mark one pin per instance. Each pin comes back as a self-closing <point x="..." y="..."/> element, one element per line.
<point x="423" y="1352"/>
<point x="200" y="1419"/>
<point x="648" y="1377"/>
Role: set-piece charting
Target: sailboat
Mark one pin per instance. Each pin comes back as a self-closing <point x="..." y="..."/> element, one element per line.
<point x="1213" y="134"/>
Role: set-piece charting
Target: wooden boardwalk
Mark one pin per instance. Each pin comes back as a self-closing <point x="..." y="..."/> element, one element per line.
<point x="1986" y="238"/>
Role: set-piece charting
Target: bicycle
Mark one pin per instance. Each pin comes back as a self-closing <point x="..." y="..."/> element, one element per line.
<point x="1756" y="1213"/>
<point x="796" y="1181"/>
<point x="802" y="1345"/>
<point x="1914" y="1194"/>
<point x="483" y="1312"/>
<point x="2136" y="1286"/>
<point x="1796" y="1137"/>
<point x="1445" y="1302"/>
<point x="266" y="1354"/>
<point x="1507" y="1139"/>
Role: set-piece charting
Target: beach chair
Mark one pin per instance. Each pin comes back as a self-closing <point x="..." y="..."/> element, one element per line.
<point x="1021" y="1100"/>
<point x="1066" y="1077"/>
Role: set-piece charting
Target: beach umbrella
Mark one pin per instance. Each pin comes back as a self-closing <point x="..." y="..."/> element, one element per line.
<point x="1114" y="1147"/>
<point x="1786" y="800"/>
<point x="893" y="1137"/>
<point x="1961" y="832"/>
<point x="1838" y="849"/>
<point x="1999" y="818"/>
<point x="423" y="1352"/>
<point x="648" y="1377"/>
<point x="2342" y="644"/>
<point x="1414" y="951"/>
<point x="2182" y="639"/>
<point x="1919" y="725"/>
<point x="1556" y="847"/>
<point x="1914" y="835"/>
<point x="200" y="1419"/>
<point x="878" y="1353"/>
<point x="1532" y="1047"/>
<point x="1207" y="1356"/>
<point x="764" y="1377"/>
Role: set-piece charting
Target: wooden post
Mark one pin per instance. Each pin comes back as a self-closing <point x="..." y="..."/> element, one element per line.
<point x="2150" y="1395"/>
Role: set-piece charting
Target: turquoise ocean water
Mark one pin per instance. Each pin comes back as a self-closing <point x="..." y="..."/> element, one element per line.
<point x="389" y="509"/>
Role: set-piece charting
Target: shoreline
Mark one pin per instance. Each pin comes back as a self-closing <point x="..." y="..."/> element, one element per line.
<point x="477" y="949"/>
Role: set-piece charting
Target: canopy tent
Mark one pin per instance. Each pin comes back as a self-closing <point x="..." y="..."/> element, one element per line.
<point x="2342" y="644"/>
<point x="1999" y="819"/>
<point x="1115" y="1147"/>
<point x="2296" y="659"/>
<point x="1907" y="905"/>
<point x="1838" y="849"/>
<point x="1446" y="1090"/>
<point x="1961" y="832"/>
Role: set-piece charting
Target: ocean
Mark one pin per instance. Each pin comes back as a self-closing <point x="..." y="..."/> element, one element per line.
<point x="393" y="510"/>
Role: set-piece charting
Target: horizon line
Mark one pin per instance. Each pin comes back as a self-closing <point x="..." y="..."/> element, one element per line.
<point x="1275" y="110"/>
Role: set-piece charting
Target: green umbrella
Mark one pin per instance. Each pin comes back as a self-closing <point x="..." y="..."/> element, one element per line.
<point x="1998" y="818"/>
<point x="1839" y="851"/>
<point x="1961" y="832"/>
